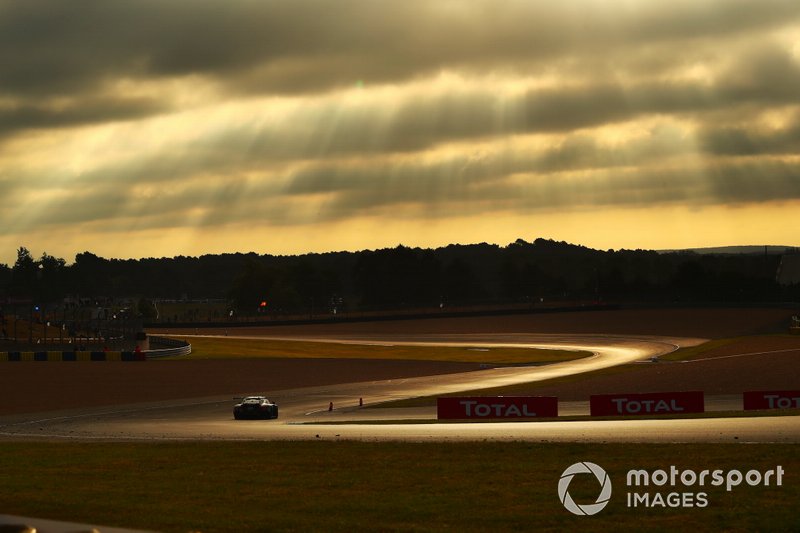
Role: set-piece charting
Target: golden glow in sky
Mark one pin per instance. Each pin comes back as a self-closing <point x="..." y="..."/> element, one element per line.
<point x="177" y="127"/>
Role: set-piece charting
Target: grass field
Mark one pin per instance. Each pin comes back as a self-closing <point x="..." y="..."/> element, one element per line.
<point x="222" y="348"/>
<point x="349" y="486"/>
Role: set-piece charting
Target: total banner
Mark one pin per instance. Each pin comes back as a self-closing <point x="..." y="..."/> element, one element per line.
<point x="754" y="400"/>
<point x="493" y="407"/>
<point x="646" y="404"/>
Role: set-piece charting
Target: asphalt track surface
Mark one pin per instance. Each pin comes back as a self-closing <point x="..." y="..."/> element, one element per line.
<point x="304" y="412"/>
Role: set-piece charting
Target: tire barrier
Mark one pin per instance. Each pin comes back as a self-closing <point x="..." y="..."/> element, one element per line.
<point x="69" y="356"/>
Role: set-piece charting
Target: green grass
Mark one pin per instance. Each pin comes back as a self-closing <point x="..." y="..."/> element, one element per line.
<point x="351" y="486"/>
<point x="220" y="348"/>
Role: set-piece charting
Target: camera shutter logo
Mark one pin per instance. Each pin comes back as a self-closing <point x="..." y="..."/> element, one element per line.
<point x="584" y="468"/>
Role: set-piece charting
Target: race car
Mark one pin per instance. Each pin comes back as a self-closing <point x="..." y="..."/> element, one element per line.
<point x="255" y="407"/>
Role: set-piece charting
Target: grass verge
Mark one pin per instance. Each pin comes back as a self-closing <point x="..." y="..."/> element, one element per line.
<point x="573" y="418"/>
<point x="520" y="389"/>
<point x="693" y="352"/>
<point x="216" y="348"/>
<point x="696" y="352"/>
<point x="352" y="486"/>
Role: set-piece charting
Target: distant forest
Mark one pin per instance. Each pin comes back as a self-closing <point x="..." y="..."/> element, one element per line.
<point x="539" y="273"/>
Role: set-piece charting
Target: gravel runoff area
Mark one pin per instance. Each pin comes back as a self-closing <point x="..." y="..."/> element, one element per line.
<point x="35" y="387"/>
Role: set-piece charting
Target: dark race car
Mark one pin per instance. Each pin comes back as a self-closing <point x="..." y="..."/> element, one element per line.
<point x="255" y="407"/>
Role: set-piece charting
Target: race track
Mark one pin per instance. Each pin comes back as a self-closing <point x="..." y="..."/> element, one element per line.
<point x="304" y="412"/>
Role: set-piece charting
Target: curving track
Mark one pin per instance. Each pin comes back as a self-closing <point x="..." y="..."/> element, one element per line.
<point x="304" y="410"/>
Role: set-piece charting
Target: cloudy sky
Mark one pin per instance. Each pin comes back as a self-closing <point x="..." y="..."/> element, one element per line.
<point x="135" y="128"/>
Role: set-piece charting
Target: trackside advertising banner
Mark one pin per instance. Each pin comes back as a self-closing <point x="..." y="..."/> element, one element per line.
<point x="771" y="400"/>
<point x="487" y="407"/>
<point x="659" y="403"/>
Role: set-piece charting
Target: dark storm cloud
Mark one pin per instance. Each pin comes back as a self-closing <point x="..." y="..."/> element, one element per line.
<point x="724" y="183"/>
<point x="453" y="81"/>
<point x="88" y="205"/>
<point x="55" y="47"/>
<point x="764" y="73"/>
<point x="755" y="181"/>
<point x="397" y="182"/>
<point x="685" y="186"/>
<point x="52" y="49"/>
<point x="471" y="180"/>
<point x="740" y="141"/>
<point x="106" y="204"/>
<point x="29" y="115"/>
<point x="437" y="195"/>
<point x="422" y="122"/>
<point x="763" y="76"/>
<point x="457" y="186"/>
<point x="418" y="122"/>
<point x="583" y="152"/>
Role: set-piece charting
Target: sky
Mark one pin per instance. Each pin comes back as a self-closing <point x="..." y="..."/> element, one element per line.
<point x="150" y="128"/>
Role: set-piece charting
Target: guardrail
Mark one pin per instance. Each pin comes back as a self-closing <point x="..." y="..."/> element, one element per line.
<point x="175" y="347"/>
<point x="172" y="347"/>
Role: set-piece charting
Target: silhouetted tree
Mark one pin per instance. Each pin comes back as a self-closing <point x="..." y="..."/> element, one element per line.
<point x="23" y="275"/>
<point x="5" y="278"/>
<point x="51" y="278"/>
<point x="90" y="274"/>
<point x="398" y="277"/>
<point x="251" y="286"/>
<point x="403" y="277"/>
<point x="460" y="284"/>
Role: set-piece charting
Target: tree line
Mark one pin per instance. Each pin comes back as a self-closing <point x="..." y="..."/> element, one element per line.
<point x="541" y="272"/>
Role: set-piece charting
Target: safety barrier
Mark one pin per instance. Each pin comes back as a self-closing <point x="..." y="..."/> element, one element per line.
<point x="174" y="348"/>
<point x="636" y="404"/>
<point x="782" y="399"/>
<point x="652" y="403"/>
<point x="477" y="407"/>
<point x="69" y="356"/>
